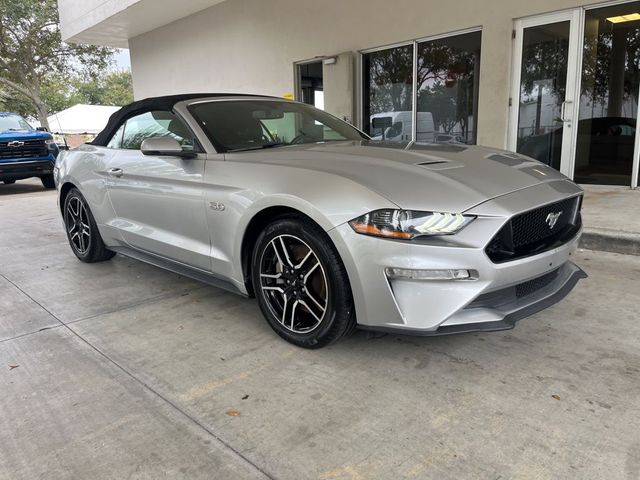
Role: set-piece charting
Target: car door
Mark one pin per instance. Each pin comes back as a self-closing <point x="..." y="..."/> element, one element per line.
<point x="158" y="200"/>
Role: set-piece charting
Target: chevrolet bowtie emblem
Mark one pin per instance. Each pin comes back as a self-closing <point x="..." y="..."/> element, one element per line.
<point x="15" y="143"/>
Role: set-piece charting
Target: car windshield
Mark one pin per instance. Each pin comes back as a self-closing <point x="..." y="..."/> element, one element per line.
<point x="236" y="125"/>
<point x="13" y="122"/>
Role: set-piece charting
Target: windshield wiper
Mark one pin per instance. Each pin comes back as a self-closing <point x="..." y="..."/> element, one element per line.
<point x="258" y="147"/>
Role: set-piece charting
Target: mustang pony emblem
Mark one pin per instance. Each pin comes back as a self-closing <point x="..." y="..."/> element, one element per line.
<point x="552" y="219"/>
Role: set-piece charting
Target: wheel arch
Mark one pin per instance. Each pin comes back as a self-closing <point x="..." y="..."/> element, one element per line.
<point x="255" y="226"/>
<point x="64" y="191"/>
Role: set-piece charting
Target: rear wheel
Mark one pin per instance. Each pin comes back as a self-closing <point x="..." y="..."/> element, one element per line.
<point x="82" y="231"/>
<point x="48" y="181"/>
<point x="301" y="283"/>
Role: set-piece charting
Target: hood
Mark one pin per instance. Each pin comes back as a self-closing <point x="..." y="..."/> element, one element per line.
<point x="8" y="135"/>
<point x="439" y="177"/>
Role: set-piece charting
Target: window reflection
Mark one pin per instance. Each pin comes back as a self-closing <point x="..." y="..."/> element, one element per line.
<point x="447" y="82"/>
<point x="388" y="93"/>
<point x="543" y="80"/>
<point x="447" y="91"/>
<point x="609" y="96"/>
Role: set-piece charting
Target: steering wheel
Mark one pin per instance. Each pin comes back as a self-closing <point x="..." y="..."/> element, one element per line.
<point x="298" y="138"/>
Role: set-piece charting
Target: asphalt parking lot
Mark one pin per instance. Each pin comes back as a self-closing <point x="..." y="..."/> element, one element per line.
<point x="122" y="370"/>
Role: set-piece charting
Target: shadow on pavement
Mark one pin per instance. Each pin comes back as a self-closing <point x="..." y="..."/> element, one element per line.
<point x="32" y="185"/>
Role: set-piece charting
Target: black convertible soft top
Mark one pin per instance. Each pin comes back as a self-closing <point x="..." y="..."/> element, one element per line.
<point x="152" y="103"/>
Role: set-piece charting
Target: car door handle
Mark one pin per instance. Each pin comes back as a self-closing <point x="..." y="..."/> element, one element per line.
<point x="115" y="172"/>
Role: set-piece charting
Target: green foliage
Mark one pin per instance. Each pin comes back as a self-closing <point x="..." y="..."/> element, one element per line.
<point x="114" y="88"/>
<point x="10" y="102"/>
<point x="59" y="92"/>
<point x="32" y="53"/>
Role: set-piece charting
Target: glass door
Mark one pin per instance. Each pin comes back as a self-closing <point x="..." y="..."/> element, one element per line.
<point x="610" y="84"/>
<point x="575" y="92"/>
<point x="544" y="89"/>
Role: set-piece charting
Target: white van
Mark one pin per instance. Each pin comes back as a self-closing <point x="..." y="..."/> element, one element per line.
<point x="398" y="127"/>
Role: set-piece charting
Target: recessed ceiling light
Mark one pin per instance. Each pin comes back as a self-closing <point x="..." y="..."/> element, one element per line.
<point x="631" y="17"/>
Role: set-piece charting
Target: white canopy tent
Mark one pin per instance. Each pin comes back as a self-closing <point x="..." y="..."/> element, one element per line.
<point x="81" y="119"/>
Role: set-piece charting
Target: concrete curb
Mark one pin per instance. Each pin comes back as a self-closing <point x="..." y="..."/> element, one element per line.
<point x="610" y="241"/>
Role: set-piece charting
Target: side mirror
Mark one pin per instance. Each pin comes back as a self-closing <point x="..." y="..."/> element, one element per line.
<point x="42" y="129"/>
<point x="164" y="146"/>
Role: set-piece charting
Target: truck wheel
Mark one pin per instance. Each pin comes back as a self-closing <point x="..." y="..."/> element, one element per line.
<point x="9" y="182"/>
<point x="48" y="181"/>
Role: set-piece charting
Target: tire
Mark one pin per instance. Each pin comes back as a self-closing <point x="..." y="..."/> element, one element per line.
<point x="301" y="283"/>
<point x="82" y="232"/>
<point x="48" y="181"/>
<point x="9" y="182"/>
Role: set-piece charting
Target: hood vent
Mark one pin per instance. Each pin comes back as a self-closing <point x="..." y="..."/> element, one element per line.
<point x="432" y="162"/>
<point x="437" y="165"/>
<point x="509" y="159"/>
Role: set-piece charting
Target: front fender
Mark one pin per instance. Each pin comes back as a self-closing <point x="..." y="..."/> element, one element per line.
<point x="327" y="199"/>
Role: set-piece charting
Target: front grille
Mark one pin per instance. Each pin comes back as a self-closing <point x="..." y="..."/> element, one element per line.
<point x="532" y="286"/>
<point x="508" y="295"/>
<point x="31" y="148"/>
<point x="534" y="232"/>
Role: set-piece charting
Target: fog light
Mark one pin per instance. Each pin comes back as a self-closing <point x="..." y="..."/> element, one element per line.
<point x="410" y="274"/>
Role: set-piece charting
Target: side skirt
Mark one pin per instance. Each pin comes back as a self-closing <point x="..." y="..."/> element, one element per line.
<point x="179" y="268"/>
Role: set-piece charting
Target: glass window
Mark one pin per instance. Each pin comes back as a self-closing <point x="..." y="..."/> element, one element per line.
<point x="447" y="83"/>
<point x="256" y="124"/>
<point x="156" y="124"/>
<point x="116" y="140"/>
<point x="609" y="95"/>
<point x="12" y="122"/>
<point x="388" y="94"/>
<point x="543" y="81"/>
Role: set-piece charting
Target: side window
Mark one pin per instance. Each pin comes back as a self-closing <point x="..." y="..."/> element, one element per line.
<point x="116" y="140"/>
<point x="156" y="124"/>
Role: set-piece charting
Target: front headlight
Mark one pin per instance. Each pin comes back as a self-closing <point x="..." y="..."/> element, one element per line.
<point x="409" y="224"/>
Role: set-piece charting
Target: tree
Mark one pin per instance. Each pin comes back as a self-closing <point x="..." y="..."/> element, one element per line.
<point x="115" y="88"/>
<point x="390" y="80"/>
<point x="32" y="51"/>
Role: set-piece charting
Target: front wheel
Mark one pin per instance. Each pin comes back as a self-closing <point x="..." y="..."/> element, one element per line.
<point x="301" y="283"/>
<point x="82" y="232"/>
<point x="48" y="181"/>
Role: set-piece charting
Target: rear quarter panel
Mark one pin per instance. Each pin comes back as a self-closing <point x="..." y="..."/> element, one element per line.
<point x="84" y="168"/>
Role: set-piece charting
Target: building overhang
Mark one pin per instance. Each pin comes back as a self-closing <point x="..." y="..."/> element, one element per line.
<point x="113" y="22"/>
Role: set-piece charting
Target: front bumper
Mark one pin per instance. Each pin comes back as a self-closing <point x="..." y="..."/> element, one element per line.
<point x="437" y="307"/>
<point x="18" y="170"/>
<point x="494" y="313"/>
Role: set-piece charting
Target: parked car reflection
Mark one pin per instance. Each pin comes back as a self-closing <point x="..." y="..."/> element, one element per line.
<point x="604" y="148"/>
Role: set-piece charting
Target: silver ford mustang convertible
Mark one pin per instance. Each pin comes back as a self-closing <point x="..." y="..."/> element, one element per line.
<point x="327" y="228"/>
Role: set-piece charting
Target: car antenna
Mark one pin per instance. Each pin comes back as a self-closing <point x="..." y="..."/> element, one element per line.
<point x="66" y="145"/>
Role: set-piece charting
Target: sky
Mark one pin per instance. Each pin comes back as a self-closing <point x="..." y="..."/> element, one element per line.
<point x="121" y="59"/>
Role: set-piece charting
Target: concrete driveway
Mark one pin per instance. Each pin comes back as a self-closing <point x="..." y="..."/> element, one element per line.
<point x="121" y="370"/>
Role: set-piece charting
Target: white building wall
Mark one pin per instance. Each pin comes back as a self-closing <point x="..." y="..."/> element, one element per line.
<point x="250" y="45"/>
